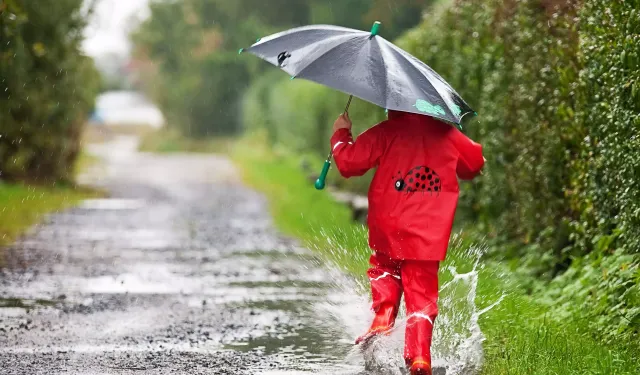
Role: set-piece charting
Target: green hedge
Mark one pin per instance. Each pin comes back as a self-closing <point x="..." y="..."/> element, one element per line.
<point x="605" y="173"/>
<point x="47" y="88"/>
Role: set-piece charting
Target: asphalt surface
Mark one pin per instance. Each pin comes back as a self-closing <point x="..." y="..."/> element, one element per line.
<point x="178" y="271"/>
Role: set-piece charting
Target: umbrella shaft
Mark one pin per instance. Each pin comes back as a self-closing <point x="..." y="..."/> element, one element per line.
<point x="346" y="109"/>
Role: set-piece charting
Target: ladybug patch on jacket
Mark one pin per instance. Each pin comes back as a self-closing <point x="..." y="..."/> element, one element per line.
<point x="419" y="179"/>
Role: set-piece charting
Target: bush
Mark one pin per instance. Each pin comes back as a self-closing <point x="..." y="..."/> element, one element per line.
<point x="298" y="116"/>
<point x="47" y="89"/>
<point x="213" y="108"/>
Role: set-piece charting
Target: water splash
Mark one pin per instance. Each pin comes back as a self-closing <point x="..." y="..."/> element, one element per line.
<point x="458" y="338"/>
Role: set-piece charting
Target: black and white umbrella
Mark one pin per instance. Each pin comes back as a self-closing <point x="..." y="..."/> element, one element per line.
<point x="365" y="65"/>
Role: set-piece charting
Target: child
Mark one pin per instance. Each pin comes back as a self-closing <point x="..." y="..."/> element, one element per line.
<point x="412" y="202"/>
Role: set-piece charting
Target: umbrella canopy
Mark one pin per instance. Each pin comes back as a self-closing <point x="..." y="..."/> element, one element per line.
<point x="364" y="65"/>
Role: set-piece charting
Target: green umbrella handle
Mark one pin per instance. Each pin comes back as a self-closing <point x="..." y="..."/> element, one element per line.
<point x="320" y="182"/>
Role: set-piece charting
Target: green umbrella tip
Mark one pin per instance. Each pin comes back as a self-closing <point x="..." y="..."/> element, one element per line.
<point x="475" y="113"/>
<point x="240" y="51"/>
<point x="293" y="77"/>
<point x="375" y="28"/>
<point x="259" y="39"/>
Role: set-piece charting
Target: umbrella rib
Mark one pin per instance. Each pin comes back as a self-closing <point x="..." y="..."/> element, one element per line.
<point x="385" y="73"/>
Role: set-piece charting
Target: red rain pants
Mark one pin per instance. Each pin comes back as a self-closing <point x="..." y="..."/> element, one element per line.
<point x="418" y="279"/>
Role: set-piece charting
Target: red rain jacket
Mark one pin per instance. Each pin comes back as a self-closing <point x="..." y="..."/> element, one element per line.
<point x="414" y="193"/>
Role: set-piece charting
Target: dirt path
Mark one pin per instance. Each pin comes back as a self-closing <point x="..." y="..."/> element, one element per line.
<point x="178" y="272"/>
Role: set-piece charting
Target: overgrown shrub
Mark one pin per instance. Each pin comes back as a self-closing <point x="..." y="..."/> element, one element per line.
<point x="47" y="88"/>
<point x="298" y="115"/>
<point x="212" y="106"/>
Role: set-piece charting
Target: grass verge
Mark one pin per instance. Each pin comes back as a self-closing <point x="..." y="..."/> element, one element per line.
<point x="520" y="336"/>
<point x="23" y="205"/>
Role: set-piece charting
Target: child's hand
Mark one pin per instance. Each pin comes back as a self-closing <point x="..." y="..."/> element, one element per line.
<point x="343" y="122"/>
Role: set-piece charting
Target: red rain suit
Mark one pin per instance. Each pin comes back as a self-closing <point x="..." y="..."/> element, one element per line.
<point x="412" y="203"/>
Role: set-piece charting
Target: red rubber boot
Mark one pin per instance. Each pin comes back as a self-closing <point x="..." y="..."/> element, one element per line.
<point x="386" y="292"/>
<point x="420" y="282"/>
<point x="420" y="366"/>
<point x="382" y="323"/>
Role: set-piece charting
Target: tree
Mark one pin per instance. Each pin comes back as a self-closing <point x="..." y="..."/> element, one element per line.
<point x="47" y="88"/>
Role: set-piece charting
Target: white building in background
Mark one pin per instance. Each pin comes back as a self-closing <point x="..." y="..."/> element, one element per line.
<point x="126" y="108"/>
<point x="107" y="41"/>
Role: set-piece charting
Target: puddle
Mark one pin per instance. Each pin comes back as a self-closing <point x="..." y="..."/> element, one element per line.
<point x="112" y="204"/>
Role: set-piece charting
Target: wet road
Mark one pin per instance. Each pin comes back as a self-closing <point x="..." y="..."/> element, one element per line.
<point x="179" y="271"/>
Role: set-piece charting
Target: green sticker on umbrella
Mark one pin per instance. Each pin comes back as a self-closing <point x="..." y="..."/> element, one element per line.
<point x="426" y="107"/>
<point x="456" y="109"/>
